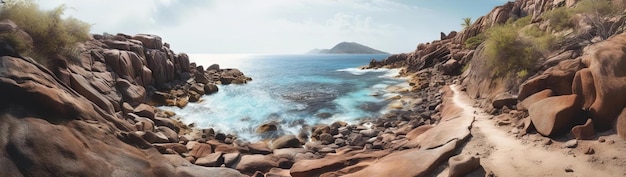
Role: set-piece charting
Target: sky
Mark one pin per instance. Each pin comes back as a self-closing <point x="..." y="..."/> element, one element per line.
<point x="277" y="26"/>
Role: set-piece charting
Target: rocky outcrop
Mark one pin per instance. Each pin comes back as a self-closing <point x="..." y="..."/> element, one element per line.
<point x="88" y="139"/>
<point x="90" y="117"/>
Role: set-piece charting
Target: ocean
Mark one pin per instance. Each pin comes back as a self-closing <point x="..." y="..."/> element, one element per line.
<point x="291" y="91"/>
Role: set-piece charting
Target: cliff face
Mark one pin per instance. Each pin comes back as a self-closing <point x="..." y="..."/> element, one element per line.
<point x="89" y="117"/>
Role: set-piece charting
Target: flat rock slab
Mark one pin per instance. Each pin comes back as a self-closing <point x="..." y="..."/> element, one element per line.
<point x="455" y="125"/>
<point x="413" y="162"/>
<point x="316" y="167"/>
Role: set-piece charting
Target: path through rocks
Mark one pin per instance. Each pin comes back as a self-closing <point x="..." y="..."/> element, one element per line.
<point x="503" y="154"/>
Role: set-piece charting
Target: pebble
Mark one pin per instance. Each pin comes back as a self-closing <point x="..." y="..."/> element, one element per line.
<point x="590" y="151"/>
<point x="547" y="142"/>
<point x="602" y="140"/>
<point x="569" y="170"/>
<point x="515" y="131"/>
<point x="570" y="144"/>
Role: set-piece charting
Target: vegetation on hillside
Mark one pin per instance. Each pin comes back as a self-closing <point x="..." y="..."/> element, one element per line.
<point x="515" y="47"/>
<point x="607" y="17"/>
<point x="52" y="34"/>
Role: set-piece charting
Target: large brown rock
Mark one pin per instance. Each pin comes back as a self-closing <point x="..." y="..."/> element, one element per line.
<point x="558" y="78"/>
<point x="132" y="94"/>
<point x="160" y="66"/>
<point x="232" y="76"/>
<point x="182" y="60"/>
<point x="267" y="127"/>
<point x="287" y="141"/>
<point x="412" y="162"/>
<point x="211" y="160"/>
<point x="144" y="110"/>
<point x="526" y="103"/>
<point x="200" y="150"/>
<point x="82" y="86"/>
<point x="620" y="124"/>
<point x="583" y="86"/>
<point x="461" y="165"/>
<point x="503" y="100"/>
<point x="451" y="67"/>
<point x="554" y="115"/>
<point x="606" y="64"/>
<point x="149" y="41"/>
<point x="249" y="164"/>
<point x="210" y="89"/>
<point x="317" y="167"/>
<point x="585" y="131"/>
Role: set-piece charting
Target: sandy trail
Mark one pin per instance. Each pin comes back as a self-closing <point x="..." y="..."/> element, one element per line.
<point x="504" y="155"/>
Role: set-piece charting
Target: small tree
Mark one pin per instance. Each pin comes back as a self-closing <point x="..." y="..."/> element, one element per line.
<point x="467" y="22"/>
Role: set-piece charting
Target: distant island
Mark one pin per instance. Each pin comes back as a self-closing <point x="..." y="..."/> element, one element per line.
<point x="347" y="48"/>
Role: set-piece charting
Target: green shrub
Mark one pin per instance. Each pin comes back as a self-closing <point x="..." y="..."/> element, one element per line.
<point x="560" y="18"/>
<point x="52" y="35"/>
<point x="523" y="73"/>
<point x="474" y="41"/>
<point x="511" y="50"/>
<point x="520" y="22"/>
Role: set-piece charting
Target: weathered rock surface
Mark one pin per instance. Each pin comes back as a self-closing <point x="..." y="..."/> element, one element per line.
<point x="90" y="118"/>
<point x="403" y="163"/>
<point x="87" y="139"/>
<point x="564" y="110"/>
<point x="249" y="164"/>
<point x="316" y="167"/>
<point x="527" y="102"/>
<point x="461" y="165"/>
<point x="604" y="60"/>
<point x="585" y="131"/>
<point x="287" y="141"/>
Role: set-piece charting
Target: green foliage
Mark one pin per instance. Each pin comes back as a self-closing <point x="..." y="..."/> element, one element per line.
<point x="560" y="18"/>
<point x="467" y="22"/>
<point x="474" y="41"/>
<point x="511" y="48"/>
<point x="523" y="73"/>
<point x="19" y="44"/>
<point x="520" y="22"/>
<point x="601" y="7"/>
<point x="52" y="35"/>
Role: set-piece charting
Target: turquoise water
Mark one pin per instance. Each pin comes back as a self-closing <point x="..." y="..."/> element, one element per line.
<point x="292" y="91"/>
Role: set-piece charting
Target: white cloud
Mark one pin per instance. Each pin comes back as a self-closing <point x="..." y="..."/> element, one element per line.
<point x="272" y="26"/>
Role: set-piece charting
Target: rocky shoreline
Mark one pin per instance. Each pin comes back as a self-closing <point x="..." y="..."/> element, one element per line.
<point x="95" y="115"/>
